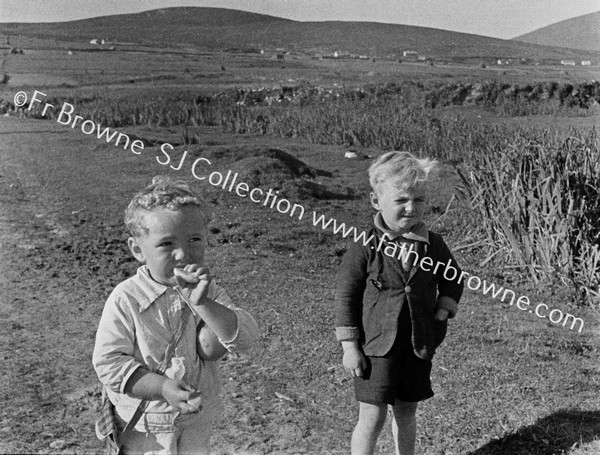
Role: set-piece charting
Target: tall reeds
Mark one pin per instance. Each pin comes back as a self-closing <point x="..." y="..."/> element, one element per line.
<point x="538" y="203"/>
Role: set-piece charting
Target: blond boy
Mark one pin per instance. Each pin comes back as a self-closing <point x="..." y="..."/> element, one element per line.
<point x="391" y="307"/>
<point x="168" y="226"/>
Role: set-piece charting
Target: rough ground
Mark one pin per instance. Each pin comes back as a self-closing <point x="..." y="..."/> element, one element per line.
<point x="505" y="382"/>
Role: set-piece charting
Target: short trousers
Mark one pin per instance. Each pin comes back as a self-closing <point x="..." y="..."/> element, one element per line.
<point x="399" y="375"/>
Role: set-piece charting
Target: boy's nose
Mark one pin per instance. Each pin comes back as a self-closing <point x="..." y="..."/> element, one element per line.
<point x="179" y="254"/>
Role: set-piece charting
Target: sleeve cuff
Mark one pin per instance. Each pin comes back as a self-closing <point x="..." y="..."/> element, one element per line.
<point x="447" y="303"/>
<point x="246" y="335"/>
<point x="347" y="333"/>
<point x="126" y="378"/>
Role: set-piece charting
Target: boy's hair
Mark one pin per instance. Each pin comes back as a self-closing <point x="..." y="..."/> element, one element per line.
<point x="403" y="166"/>
<point x="165" y="193"/>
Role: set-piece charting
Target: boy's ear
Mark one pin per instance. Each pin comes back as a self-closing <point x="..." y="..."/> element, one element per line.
<point x="375" y="201"/>
<point x="135" y="249"/>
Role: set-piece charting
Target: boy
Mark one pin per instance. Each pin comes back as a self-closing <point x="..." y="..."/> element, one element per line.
<point x="392" y="305"/>
<point x="168" y="226"/>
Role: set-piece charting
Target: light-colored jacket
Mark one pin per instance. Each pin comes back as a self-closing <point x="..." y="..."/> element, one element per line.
<point x="136" y="326"/>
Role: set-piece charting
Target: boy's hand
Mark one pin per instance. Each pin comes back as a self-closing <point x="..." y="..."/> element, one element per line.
<point x="354" y="360"/>
<point x="441" y="314"/>
<point x="193" y="282"/>
<point x="181" y="396"/>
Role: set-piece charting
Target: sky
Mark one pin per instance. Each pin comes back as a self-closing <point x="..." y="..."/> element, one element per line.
<point x="496" y="18"/>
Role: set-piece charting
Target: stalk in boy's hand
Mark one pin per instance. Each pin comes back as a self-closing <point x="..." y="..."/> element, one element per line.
<point x="193" y="282"/>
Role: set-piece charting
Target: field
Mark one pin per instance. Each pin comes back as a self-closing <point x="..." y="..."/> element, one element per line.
<point x="506" y="381"/>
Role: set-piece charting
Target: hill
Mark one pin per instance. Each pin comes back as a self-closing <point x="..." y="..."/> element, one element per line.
<point x="582" y="32"/>
<point x="218" y="29"/>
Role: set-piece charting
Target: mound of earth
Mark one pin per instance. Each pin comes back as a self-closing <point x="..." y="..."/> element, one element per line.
<point x="295" y="166"/>
<point x="304" y="189"/>
<point x="262" y="171"/>
<point x="279" y="170"/>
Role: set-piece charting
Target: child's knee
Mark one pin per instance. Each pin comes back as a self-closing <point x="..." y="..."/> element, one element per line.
<point x="404" y="409"/>
<point x="372" y="415"/>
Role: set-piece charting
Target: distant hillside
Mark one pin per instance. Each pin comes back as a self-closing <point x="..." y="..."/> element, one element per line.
<point x="218" y="29"/>
<point x="581" y="32"/>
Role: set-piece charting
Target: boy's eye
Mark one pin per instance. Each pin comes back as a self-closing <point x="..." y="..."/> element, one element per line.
<point x="196" y="239"/>
<point x="165" y="244"/>
<point x="415" y="201"/>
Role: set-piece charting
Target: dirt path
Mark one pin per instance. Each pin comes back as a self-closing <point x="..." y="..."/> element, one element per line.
<point x="46" y="400"/>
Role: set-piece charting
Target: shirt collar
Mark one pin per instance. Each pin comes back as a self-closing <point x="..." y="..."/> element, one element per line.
<point x="419" y="231"/>
<point x="150" y="290"/>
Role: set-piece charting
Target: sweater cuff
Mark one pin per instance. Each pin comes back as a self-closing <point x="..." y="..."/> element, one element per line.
<point x="347" y="333"/>
<point x="447" y="303"/>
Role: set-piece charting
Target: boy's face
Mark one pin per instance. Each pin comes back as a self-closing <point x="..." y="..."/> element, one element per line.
<point x="400" y="207"/>
<point x="175" y="238"/>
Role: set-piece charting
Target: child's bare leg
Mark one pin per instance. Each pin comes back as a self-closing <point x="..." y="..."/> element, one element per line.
<point x="404" y="427"/>
<point x="371" y="418"/>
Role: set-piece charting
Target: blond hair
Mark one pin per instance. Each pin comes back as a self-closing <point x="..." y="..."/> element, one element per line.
<point x="404" y="167"/>
<point x="165" y="193"/>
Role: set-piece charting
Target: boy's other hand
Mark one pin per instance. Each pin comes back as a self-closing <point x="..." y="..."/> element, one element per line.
<point x="441" y="314"/>
<point x="181" y="396"/>
<point x="354" y="360"/>
<point x="193" y="281"/>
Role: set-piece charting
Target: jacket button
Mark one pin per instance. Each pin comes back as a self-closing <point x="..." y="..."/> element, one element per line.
<point x="407" y="289"/>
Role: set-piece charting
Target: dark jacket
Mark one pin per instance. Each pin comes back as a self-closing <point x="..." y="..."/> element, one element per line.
<point x="372" y="288"/>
